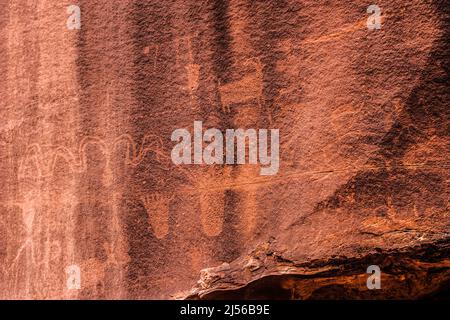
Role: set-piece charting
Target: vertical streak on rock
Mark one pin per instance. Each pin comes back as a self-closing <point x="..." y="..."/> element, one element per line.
<point x="151" y="56"/>
<point x="6" y="147"/>
<point x="246" y="113"/>
<point x="223" y="56"/>
<point x="22" y="78"/>
<point x="220" y="41"/>
<point x="58" y="103"/>
<point x="40" y="53"/>
<point x="105" y="74"/>
<point x="216" y="58"/>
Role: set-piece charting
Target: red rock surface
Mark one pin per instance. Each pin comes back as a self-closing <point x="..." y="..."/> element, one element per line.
<point x="85" y="146"/>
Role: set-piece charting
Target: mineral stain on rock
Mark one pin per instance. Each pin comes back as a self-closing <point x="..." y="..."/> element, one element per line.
<point x="85" y="150"/>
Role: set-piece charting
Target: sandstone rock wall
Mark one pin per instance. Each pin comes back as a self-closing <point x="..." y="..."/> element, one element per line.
<point x="87" y="115"/>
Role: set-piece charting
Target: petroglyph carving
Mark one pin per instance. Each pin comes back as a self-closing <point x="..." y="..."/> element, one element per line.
<point x="193" y="71"/>
<point x="157" y="206"/>
<point x="212" y="206"/>
<point x="182" y="45"/>
<point x="28" y="247"/>
<point x="116" y="248"/>
<point x="36" y="252"/>
<point x="193" y="74"/>
<point x="212" y="201"/>
<point x="248" y="198"/>
<point x="249" y="88"/>
<point x="154" y="48"/>
<point x="39" y="160"/>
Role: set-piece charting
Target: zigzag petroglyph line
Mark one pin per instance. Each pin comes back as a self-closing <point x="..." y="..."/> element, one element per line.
<point x="45" y="161"/>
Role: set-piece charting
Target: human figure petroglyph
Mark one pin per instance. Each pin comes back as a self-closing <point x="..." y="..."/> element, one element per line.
<point x="248" y="88"/>
<point x="27" y="249"/>
<point x="35" y="253"/>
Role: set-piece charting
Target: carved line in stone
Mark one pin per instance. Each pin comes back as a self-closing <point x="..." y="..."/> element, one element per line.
<point x="134" y="155"/>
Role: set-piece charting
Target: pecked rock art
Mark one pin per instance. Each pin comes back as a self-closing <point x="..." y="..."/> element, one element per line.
<point x="39" y="161"/>
<point x="241" y="91"/>
<point x="157" y="207"/>
<point x="89" y="185"/>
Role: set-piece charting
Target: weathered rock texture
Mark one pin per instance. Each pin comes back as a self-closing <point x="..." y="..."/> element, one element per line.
<point x="85" y="146"/>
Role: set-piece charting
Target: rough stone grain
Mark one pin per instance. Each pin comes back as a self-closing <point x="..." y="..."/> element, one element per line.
<point x="85" y="167"/>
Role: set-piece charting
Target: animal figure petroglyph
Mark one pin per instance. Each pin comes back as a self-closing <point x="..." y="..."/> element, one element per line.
<point x="249" y="88"/>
